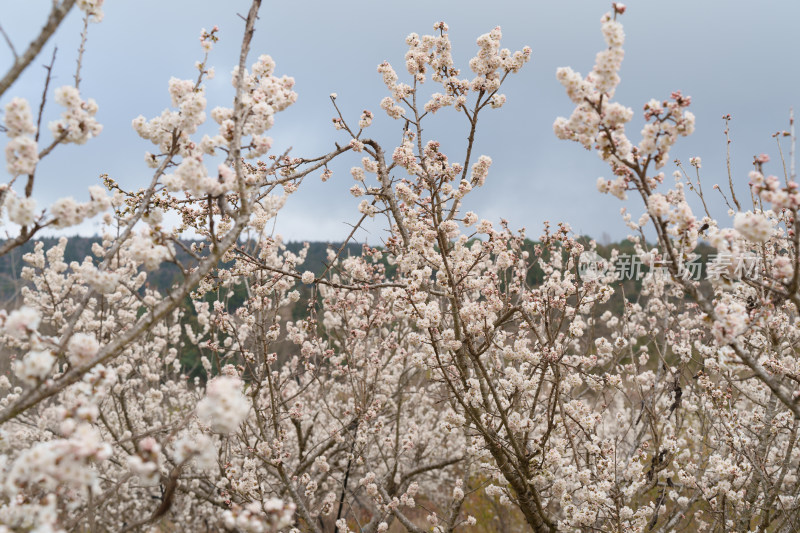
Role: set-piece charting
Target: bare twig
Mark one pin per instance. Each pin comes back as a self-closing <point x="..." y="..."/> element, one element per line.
<point x="81" y="50"/>
<point x="48" y="77"/>
<point x="727" y="119"/>
<point x="792" y="168"/>
<point x="10" y="44"/>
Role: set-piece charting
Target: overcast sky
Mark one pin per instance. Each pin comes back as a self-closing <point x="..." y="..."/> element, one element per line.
<point x="732" y="57"/>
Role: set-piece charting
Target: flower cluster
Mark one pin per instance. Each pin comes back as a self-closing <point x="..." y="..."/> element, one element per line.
<point x="92" y="8"/>
<point x="753" y="226"/>
<point x="22" y="153"/>
<point x="433" y="53"/>
<point x="224" y="407"/>
<point x="599" y="123"/>
<point x="77" y="124"/>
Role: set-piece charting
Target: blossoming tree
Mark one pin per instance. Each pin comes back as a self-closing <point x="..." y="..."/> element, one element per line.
<point x="456" y="363"/>
<point x="726" y="460"/>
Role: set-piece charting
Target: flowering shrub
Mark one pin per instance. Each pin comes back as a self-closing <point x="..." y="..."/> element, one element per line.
<point x="422" y="374"/>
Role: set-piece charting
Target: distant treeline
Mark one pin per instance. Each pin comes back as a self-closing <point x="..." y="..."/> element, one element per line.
<point x="165" y="277"/>
<point x="316" y="260"/>
<point x="162" y="279"/>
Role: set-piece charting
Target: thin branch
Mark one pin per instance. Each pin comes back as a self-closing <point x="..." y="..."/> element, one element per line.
<point x="727" y="119"/>
<point x="49" y="69"/>
<point x="10" y="44"/>
<point x="81" y="50"/>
